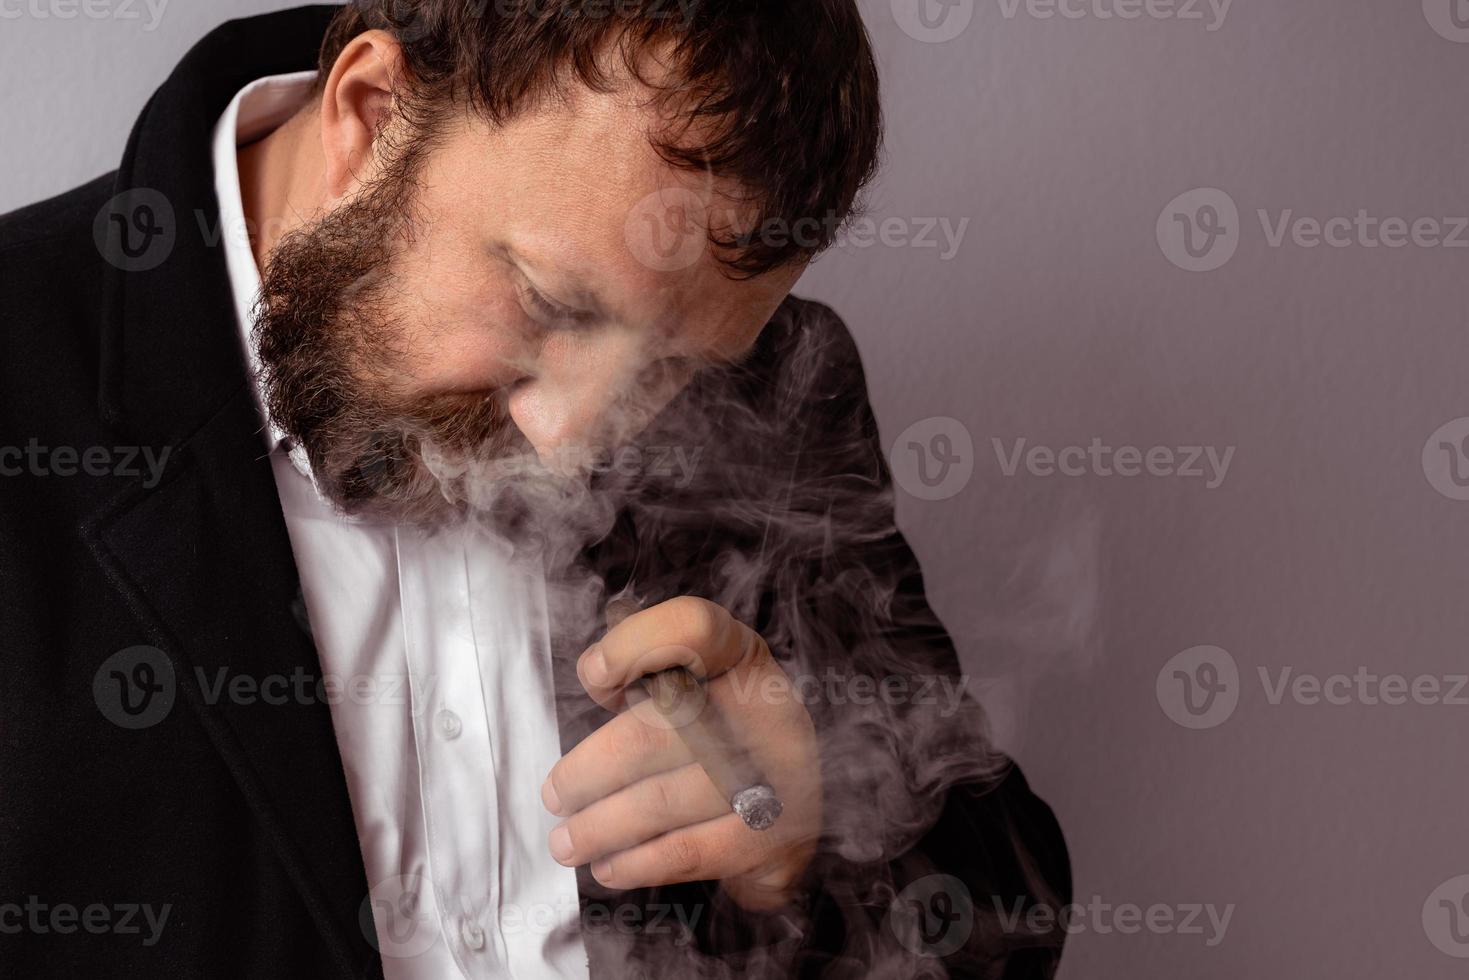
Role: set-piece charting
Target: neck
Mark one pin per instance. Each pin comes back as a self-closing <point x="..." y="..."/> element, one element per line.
<point x="282" y="182"/>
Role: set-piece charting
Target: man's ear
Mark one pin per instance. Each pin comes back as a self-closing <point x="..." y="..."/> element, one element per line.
<point x="356" y="99"/>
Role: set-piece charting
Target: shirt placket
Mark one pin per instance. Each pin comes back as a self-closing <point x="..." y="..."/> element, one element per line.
<point x="456" y="756"/>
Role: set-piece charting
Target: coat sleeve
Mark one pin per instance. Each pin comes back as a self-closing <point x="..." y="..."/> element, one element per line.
<point x="935" y="851"/>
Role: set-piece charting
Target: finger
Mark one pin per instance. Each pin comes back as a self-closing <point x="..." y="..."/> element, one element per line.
<point x="715" y="849"/>
<point x="624" y="750"/>
<point x="682" y="632"/>
<point x="637" y="813"/>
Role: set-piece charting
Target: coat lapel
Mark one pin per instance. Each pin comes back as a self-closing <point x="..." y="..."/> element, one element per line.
<point x="203" y="559"/>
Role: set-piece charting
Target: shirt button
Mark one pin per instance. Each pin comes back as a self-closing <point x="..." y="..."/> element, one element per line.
<point x="449" y="724"/>
<point x="473" y="935"/>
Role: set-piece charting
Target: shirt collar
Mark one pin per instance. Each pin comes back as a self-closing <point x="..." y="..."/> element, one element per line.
<point x="255" y="111"/>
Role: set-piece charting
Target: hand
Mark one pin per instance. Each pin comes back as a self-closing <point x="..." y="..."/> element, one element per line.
<point x="641" y="810"/>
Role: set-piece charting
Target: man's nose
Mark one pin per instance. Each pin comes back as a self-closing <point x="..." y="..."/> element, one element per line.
<point x="596" y="401"/>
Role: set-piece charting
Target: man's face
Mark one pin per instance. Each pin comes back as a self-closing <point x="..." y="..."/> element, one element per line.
<point x="539" y="285"/>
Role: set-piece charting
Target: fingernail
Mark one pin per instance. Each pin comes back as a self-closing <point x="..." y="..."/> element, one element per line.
<point x="602" y="871"/>
<point x="595" y="666"/>
<point x="561" y="844"/>
<point x="549" y="797"/>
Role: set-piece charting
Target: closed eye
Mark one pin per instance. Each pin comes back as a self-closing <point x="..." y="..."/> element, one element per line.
<point x="550" y="313"/>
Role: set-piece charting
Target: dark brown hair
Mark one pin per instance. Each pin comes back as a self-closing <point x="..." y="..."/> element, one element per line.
<point x="779" y="96"/>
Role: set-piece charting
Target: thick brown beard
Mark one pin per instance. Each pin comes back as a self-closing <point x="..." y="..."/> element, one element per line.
<point x="329" y="346"/>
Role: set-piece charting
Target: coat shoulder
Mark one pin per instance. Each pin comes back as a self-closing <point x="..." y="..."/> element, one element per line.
<point x="812" y="326"/>
<point x="52" y="281"/>
<point x="54" y="221"/>
<point x="807" y="357"/>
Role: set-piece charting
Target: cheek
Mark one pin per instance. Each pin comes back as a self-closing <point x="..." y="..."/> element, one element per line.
<point x="460" y="333"/>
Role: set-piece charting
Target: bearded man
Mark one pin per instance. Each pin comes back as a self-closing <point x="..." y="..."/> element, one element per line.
<point x="447" y="323"/>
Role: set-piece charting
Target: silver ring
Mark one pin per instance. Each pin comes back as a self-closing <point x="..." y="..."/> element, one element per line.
<point x="757" y="806"/>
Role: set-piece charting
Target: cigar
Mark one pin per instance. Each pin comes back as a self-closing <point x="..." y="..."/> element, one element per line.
<point x="681" y="702"/>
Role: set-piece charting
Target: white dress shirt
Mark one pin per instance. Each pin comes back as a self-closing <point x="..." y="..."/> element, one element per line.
<point x="437" y="657"/>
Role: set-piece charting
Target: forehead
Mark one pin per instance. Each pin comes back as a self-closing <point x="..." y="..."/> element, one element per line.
<point x="576" y="192"/>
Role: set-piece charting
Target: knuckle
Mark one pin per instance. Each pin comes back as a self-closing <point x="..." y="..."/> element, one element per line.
<point x="700" y="621"/>
<point x="661" y="795"/>
<point x="632" y="739"/>
<point x="682" y="855"/>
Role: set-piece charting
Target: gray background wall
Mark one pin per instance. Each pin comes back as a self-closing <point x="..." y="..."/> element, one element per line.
<point x="1333" y="545"/>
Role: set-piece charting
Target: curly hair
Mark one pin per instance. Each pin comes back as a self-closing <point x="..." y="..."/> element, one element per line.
<point x="778" y="96"/>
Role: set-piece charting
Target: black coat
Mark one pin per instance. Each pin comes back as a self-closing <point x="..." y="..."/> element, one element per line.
<point x="234" y="812"/>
